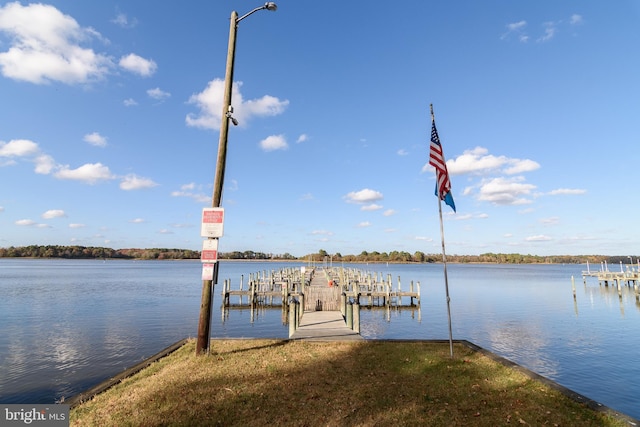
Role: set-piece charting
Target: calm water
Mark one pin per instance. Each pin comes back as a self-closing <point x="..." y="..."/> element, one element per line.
<point x="69" y="324"/>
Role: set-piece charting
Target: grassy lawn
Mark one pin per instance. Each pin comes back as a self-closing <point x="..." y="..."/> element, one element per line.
<point x="298" y="383"/>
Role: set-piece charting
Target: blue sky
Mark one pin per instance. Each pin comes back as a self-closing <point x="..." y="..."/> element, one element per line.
<point x="110" y="116"/>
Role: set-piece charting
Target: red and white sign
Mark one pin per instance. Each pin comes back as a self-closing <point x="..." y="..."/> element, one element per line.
<point x="212" y="222"/>
<point x="209" y="251"/>
<point x="207" y="271"/>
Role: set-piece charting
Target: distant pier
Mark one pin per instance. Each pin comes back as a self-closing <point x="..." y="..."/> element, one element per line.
<point x="330" y="285"/>
<point x="625" y="277"/>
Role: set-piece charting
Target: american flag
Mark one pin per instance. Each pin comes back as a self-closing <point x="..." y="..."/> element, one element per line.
<point x="436" y="159"/>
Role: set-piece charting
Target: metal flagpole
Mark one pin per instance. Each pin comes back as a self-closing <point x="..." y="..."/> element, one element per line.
<point x="446" y="279"/>
<point x="444" y="256"/>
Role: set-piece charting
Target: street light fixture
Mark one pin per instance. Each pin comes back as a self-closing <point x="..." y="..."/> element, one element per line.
<point x="204" y="325"/>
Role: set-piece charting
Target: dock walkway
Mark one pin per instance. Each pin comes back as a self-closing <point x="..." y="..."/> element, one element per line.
<point x="324" y="326"/>
<point x="323" y="323"/>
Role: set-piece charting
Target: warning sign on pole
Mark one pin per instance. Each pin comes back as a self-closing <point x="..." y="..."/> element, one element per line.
<point x="209" y="251"/>
<point x="212" y="222"/>
<point x="207" y="271"/>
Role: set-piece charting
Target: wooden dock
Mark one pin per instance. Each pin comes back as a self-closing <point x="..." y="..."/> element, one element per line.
<point x="630" y="278"/>
<point x="627" y="278"/>
<point x="321" y="289"/>
<point x="322" y="319"/>
<point x="320" y="304"/>
<point x="372" y="290"/>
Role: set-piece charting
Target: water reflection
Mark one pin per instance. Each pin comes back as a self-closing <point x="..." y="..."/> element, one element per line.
<point x="68" y="325"/>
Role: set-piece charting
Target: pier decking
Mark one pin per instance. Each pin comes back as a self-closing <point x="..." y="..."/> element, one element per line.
<point x="324" y="326"/>
<point x="630" y="277"/>
<point x="322" y="319"/>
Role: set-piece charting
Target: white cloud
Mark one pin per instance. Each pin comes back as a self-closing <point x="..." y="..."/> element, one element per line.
<point x="504" y="191"/>
<point x="123" y="21"/>
<point x="516" y="26"/>
<point x="44" y="164"/>
<point x="516" y="29"/>
<point x="538" y="238"/>
<point x="130" y="102"/>
<point x="565" y="191"/>
<point x="165" y="231"/>
<point x="554" y="220"/>
<point x="90" y="173"/>
<point x="321" y="233"/>
<point x="138" y="65"/>
<point x="209" y="103"/>
<point x="18" y="148"/>
<point x="134" y="182"/>
<point x="364" y="224"/>
<point x="274" y="142"/>
<point x="77" y="225"/>
<point x="95" y="139"/>
<point x="158" y="94"/>
<point x="550" y="29"/>
<point x="137" y="221"/>
<point x="463" y="217"/>
<point x="478" y="161"/>
<point x="54" y="213"/>
<point x="363" y="196"/>
<point x="25" y="222"/>
<point x="371" y="207"/>
<point x="28" y="149"/>
<point x="1" y="208"/>
<point x="45" y="46"/>
<point x="186" y="190"/>
<point x="302" y="138"/>
<point x="402" y="152"/>
<point x="389" y="212"/>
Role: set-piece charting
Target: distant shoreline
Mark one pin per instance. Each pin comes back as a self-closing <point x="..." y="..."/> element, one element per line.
<point x="322" y="257"/>
<point x="299" y="261"/>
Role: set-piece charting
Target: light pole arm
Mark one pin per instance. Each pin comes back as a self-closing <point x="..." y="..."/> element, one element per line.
<point x="268" y="5"/>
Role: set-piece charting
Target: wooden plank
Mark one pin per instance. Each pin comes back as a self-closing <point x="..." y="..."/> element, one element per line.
<point x="324" y="326"/>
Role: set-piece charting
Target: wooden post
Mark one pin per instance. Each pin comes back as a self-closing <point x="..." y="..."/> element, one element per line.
<point x="356" y="318"/>
<point x="292" y="318"/>
<point x="350" y="315"/>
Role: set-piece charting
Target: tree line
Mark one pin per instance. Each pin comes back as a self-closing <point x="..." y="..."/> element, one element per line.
<point x="489" y="257"/>
<point x="92" y="252"/>
<point x="322" y="256"/>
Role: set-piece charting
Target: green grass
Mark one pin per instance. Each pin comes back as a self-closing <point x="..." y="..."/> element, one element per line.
<point x="298" y="383"/>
